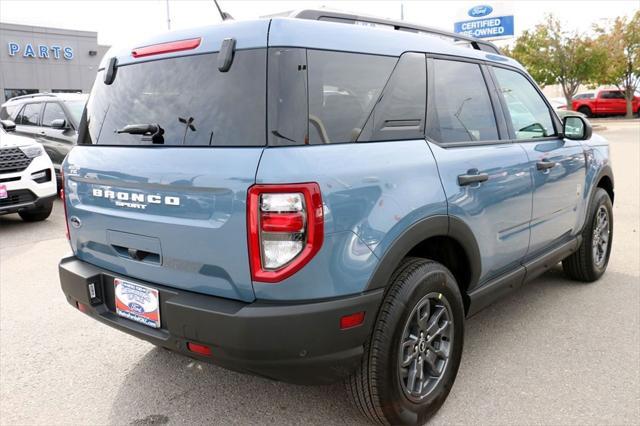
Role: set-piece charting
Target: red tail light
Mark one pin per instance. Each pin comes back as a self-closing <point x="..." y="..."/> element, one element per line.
<point x="172" y="46"/>
<point x="286" y="229"/>
<point x="64" y="204"/>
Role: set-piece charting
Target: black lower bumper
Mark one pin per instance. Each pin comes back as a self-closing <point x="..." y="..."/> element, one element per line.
<point x="297" y="343"/>
<point x="23" y="200"/>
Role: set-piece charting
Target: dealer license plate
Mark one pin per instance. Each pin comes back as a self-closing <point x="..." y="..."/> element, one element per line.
<point x="137" y="302"/>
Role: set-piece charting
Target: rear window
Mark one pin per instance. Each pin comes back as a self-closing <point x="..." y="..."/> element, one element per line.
<point x="187" y="97"/>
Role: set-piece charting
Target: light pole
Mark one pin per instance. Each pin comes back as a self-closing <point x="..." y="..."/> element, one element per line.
<point x="168" y="16"/>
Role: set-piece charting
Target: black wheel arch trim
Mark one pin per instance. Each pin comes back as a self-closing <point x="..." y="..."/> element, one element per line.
<point x="432" y="226"/>
<point x="607" y="171"/>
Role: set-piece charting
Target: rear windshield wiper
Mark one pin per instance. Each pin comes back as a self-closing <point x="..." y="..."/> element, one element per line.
<point x="150" y="132"/>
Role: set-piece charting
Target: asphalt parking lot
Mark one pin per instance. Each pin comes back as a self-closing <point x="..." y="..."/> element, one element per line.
<point x="554" y="352"/>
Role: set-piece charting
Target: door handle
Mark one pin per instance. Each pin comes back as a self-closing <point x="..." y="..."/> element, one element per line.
<point x="474" y="178"/>
<point x="545" y="165"/>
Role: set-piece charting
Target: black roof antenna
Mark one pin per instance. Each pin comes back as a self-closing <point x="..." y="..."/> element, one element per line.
<point x="224" y="15"/>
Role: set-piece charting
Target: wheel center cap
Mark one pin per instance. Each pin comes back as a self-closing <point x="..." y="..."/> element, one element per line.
<point x="422" y="346"/>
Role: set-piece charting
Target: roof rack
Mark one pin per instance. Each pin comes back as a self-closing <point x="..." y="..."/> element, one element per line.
<point x="349" y="18"/>
<point x="33" y="95"/>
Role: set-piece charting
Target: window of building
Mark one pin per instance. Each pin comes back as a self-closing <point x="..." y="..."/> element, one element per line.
<point x="66" y="91"/>
<point x="52" y="111"/>
<point x="462" y="110"/>
<point x="12" y="93"/>
<point x="529" y="113"/>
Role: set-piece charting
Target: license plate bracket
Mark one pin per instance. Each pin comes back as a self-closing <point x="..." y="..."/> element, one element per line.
<point x="137" y="302"/>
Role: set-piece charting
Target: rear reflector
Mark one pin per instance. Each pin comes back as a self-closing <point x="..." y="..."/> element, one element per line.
<point x="82" y="307"/>
<point x="352" y="320"/>
<point x="199" y="349"/>
<point x="169" y="47"/>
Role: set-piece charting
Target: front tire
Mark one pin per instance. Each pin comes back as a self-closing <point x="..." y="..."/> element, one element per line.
<point x="412" y="358"/>
<point x="586" y="111"/>
<point x="590" y="261"/>
<point x="37" y="214"/>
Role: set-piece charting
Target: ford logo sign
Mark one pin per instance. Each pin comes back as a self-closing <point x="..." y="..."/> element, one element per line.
<point x="480" y="11"/>
<point x="138" y="309"/>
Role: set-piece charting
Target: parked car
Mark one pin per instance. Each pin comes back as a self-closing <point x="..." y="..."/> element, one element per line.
<point x="51" y="119"/>
<point x="604" y="102"/>
<point x="294" y="198"/>
<point x="27" y="184"/>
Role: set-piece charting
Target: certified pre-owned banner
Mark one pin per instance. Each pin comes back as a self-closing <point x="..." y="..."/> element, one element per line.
<point x="498" y="26"/>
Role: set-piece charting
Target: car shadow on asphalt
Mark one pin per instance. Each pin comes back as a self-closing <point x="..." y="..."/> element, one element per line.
<point x="164" y="387"/>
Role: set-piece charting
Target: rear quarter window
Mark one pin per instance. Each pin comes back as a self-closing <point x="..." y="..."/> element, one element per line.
<point x="188" y="97"/>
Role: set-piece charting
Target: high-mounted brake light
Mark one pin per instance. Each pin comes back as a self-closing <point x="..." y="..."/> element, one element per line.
<point x="286" y="229"/>
<point x="169" y="47"/>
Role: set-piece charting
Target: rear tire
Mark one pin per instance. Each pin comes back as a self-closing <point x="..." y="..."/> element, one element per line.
<point x="418" y="334"/>
<point x="586" y="111"/>
<point x="37" y="214"/>
<point x="590" y="261"/>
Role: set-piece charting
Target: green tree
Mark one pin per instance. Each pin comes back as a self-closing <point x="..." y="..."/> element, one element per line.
<point x="621" y="42"/>
<point x="554" y="56"/>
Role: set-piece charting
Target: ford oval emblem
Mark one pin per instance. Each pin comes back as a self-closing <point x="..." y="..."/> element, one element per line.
<point x="480" y="11"/>
<point x="137" y="308"/>
<point x="75" y="221"/>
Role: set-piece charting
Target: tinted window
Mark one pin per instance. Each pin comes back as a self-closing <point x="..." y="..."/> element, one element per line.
<point x="612" y="95"/>
<point x="400" y="112"/>
<point x="287" y="97"/>
<point x="29" y="115"/>
<point x="462" y="109"/>
<point x="52" y="111"/>
<point x="191" y="101"/>
<point x="343" y="88"/>
<point x="529" y="113"/>
<point x="75" y="108"/>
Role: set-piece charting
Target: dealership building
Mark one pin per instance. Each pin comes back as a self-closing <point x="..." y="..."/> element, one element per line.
<point x="42" y="59"/>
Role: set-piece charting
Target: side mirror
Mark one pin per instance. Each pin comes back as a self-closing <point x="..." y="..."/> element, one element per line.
<point x="59" y="123"/>
<point x="576" y="128"/>
<point x="8" y="125"/>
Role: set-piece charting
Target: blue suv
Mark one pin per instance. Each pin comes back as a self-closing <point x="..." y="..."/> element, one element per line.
<point x="325" y="197"/>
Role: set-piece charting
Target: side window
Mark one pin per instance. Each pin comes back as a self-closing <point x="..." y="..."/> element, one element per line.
<point x="30" y="115"/>
<point x="617" y="95"/>
<point x="52" y="111"/>
<point x="19" y="118"/>
<point x="343" y="89"/>
<point x="461" y="107"/>
<point x="606" y="95"/>
<point x="400" y="112"/>
<point x="288" y="114"/>
<point x="529" y="113"/>
<point x="9" y="112"/>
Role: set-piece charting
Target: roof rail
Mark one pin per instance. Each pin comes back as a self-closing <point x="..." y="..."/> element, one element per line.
<point x="33" y="95"/>
<point x="349" y="18"/>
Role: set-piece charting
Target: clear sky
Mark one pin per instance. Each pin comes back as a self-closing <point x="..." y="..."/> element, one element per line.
<point x="121" y="21"/>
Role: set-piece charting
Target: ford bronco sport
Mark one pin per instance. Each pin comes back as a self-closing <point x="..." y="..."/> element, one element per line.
<point x="311" y="200"/>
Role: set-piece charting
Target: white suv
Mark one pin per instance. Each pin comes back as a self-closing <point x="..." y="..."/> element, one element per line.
<point x="27" y="179"/>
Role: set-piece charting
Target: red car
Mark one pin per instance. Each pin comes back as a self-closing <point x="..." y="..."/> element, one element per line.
<point x="604" y="102"/>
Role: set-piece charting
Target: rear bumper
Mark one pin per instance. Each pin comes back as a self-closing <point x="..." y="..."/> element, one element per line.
<point x="297" y="343"/>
